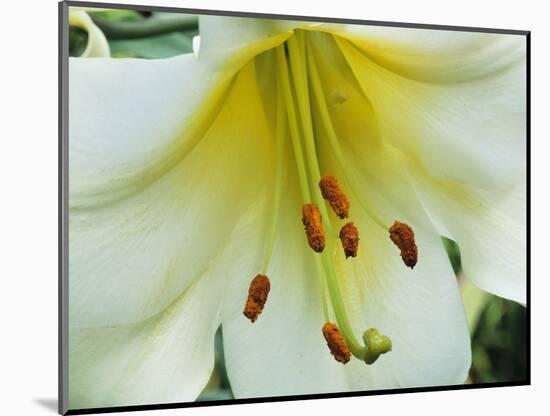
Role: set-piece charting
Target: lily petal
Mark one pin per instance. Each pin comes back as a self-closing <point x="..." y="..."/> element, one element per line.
<point x="489" y="224"/>
<point x="143" y="226"/>
<point x="469" y="131"/>
<point x="420" y="310"/>
<point x="229" y="42"/>
<point x="132" y="120"/>
<point x="490" y="230"/>
<point x="97" y="42"/>
<point x="283" y="352"/>
<point x="169" y="357"/>
<point x="448" y="57"/>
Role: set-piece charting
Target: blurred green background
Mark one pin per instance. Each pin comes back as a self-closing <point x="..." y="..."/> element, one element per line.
<point x="498" y="329"/>
<point x="497" y="326"/>
<point x="133" y="34"/>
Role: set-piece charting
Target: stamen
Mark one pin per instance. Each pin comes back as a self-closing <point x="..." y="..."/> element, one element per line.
<point x="335" y="342"/>
<point x="333" y="194"/>
<point x="257" y="297"/>
<point x="349" y="235"/>
<point x="403" y="237"/>
<point x="311" y="217"/>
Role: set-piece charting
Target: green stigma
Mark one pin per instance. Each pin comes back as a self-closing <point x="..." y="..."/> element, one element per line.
<point x="376" y="344"/>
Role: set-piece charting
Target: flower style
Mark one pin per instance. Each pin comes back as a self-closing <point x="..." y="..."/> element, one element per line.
<point x="190" y="176"/>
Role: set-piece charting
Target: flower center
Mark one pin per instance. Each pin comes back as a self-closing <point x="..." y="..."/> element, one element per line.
<point x="296" y="75"/>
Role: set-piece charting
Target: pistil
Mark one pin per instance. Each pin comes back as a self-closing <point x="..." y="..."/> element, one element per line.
<point x="376" y="343"/>
<point x="298" y="69"/>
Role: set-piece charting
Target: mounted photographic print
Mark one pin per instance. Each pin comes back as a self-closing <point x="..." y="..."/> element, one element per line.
<point x="263" y="208"/>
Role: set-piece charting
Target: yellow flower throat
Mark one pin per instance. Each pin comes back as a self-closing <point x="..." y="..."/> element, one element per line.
<point x="299" y="92"/>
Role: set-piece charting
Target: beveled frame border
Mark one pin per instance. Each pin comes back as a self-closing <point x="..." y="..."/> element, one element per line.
<point x="63" y="173"/>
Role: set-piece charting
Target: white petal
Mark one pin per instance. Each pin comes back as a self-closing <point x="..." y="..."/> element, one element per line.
<point x="229" y="42"/>
<point x="131" y="120"/>
<point x="472" y="131"/>
<point x="284" y="353"/>
<point x="196" y="45"/>
<point x="151" y="207"/>
<point x="490" y="229"/>
<point x="420" y="310"/>
<point x="97" y="43"/>
<point x="492" y="237"/>
<point x="167" y="358"/>
<point x="435" y="56"/>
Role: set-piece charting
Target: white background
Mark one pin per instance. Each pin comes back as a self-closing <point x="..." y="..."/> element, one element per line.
<point x="28" y="220"/>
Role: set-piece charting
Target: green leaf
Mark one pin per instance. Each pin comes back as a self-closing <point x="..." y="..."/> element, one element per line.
<point x="152" y="26"/>
<point x="454" y="254"/>
<point x="499" y="343"/>
<point x="119" y="15"/>
<point x="161" y="46"/>
<point x="78" y="39"/>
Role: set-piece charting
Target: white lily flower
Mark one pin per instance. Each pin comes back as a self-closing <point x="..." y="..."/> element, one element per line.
<point x="188" y="177"/>
<point x="97" y="45"/>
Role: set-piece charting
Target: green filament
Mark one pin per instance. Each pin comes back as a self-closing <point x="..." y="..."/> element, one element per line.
<point x="279" y="155"/>
<point x="284" y="88"/>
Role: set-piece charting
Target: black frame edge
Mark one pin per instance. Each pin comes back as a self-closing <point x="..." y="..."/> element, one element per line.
<point x="272" y="399"/>
<point x="528" y="199"/>
<point x="63" y="334"/>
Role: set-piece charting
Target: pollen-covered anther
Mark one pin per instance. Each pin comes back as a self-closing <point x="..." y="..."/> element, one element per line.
<point x="349" y="235"/>
<point x="403" y="237"/>
<point x="336" y="343"/>
<point x="257" y="297"/>
<point x="312" y="220"/>
<point x="333" y="194"/>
